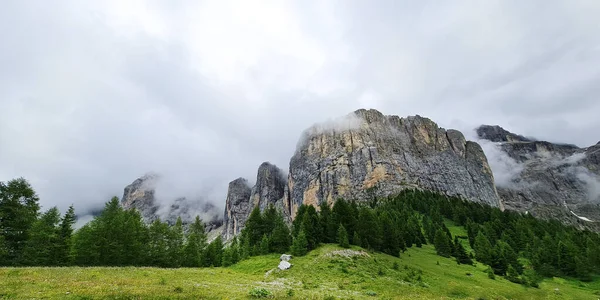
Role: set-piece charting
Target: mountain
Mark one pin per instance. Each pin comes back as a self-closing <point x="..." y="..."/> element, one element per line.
<point x="241" y="198"/>
<point x="557" y="181"/>
<point x="365" y="155"/>
<point x="140" y="195"/>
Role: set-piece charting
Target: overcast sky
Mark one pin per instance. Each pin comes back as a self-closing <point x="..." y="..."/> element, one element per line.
<point x="94" y="94"/>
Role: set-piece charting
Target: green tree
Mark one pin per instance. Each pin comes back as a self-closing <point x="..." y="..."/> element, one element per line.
<point x="214" y="253"/>
<point x="442" y="243"/>
<point x="19" y="209"/>
<point x="254" y="227"/>
<point x="195" y="244"/>
<point x="460" y="253"/>
<point x="281" y="240"/>
<point x="356" y="240"/>
<point x="264" y="245"/>
<point x="42" y="247"/>
<point x="66" y="236"/>
<point x="231" y="253"/>
<point x="512" y="275"/>
<point x="328" y="223"/>
<point x="369" y="229"/>
<point x="300" y="244"/>
<point x="483" y="248"/>
<point x="343" y="237"/>
<point x="158" y="244"/>
<point x="175" y="243"/>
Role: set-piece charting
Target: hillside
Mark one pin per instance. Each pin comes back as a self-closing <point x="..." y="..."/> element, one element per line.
<point x="315" y="276"/>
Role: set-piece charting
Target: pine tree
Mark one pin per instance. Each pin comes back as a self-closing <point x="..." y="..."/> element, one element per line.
<point x="483" y="248"/>
<point x="19" y="209"/>
<point x="512" y="275"/>
<point x="264" y="245"/>
<point x="158" y="244"/>
<point x="327" y="222"/>
<point x="356" y="240"/>
<point x="214" y="253"/>
<point x="300" y="244"/>
<point x="42" y="246"/>
<point x="280" y="238"/>
<point x="442" y="243"/>
<point x="66" y="234"/>
<point x="460" y="253"/>
<point x="175" y="242"/>
<point x="343" y="237"/>
<point x="195" y="244"/>
<point x="254" y="227"/>
<point x="369" y="229"/>
<point x="566" y="259"/>
<point x="85" y="250"/>
<point x="231" y="253"/>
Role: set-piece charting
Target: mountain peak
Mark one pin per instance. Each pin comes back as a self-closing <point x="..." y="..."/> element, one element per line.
<point x="496" y="133"/>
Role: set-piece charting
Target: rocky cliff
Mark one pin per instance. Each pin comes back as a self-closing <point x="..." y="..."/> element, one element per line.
<point x="141" y="195"/>
<point x="557" y="181"/>
<point x="369" y="154"/>
<point x="242" y="199"/>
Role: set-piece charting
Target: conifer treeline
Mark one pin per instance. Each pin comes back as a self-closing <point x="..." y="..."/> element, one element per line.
<point x="517" y="246"/>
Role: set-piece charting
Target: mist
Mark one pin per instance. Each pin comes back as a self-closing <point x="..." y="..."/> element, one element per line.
<point x="95" y="94"/>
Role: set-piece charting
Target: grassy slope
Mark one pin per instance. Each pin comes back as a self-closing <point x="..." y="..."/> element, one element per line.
<point x="314" y="276"/>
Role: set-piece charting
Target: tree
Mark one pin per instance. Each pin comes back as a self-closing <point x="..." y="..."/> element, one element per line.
<point x="231" y="253"/>
<point x="195" y="244"/>
<point x="175" y="244"/>
<point x="264" y="245"/>
<point x="356" y="239"/>
<point x="43" y="244"/>
<point x="343" y="237"/>
<point x="512" y="275"/>
<point x="300" y="244"/>
<point x="66" y="235"/>
<point x="460" y="253"/>
<point x="158" y="245"/>
<point x="369" y="229"/>
<point x="566" y="258"/>
<point x="483" y="248"/>
<point x="18" y="211"/>
<point x="280" y="238"/>
<point x="214" y="253"/>
<point x="328" y="223"/>
<point x="442" y="243"/>
<point x="311" y="227"/>
<point x="254" y="227"/>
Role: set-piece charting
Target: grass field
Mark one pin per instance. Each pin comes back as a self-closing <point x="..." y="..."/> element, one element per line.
<point x="417" y="274"/>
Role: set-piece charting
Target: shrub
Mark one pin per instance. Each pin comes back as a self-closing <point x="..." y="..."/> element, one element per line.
<point x="259" y="293"/>
<point x="371" y="293"/>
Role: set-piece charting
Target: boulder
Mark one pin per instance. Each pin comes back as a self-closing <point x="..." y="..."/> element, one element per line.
<point x="284" y="265"/>
<point x="285" y="257"/>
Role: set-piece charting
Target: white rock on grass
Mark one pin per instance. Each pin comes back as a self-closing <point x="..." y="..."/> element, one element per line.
<point x="285" y="257"/>
<point x="284" y="265"/>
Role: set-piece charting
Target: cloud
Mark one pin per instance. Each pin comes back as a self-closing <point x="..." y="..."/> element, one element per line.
<point x="94" y="94"/>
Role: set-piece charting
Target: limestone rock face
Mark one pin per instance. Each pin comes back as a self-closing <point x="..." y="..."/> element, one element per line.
<point x="141" y="195"/>
<point x="270" y="186"/>
<point x="367" y="154"/>
<point x="237" y="207"/>
<point x="556" y="181"/>
<point x="498" y="134"/>
<point x="241" y="199"/>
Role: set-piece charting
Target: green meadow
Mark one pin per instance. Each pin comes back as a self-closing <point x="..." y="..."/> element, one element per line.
<point x="418" y="274"/>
